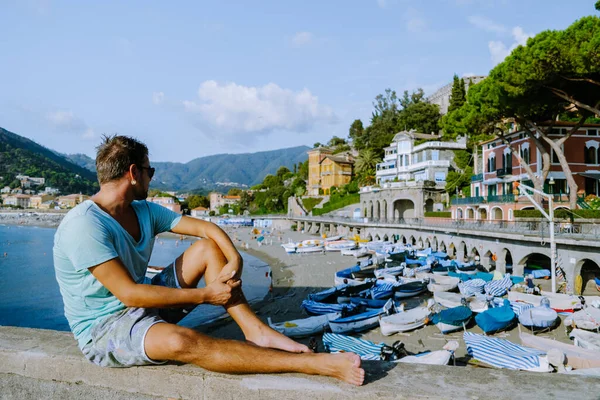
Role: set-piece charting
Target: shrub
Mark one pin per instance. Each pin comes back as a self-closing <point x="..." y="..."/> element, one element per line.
<point x="294" y="227"/>
<point x="439" y="214"/>
<point x="310" y="202"/>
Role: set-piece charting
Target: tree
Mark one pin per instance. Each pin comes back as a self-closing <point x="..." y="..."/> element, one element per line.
<point x="458" y="96"/>
<point x="365" y="166"/>
<point x="556" y="71"/>
<point x="195" y="200"/>
<point x="282" y="171"/>
<point x="598" y="5"/>
<point x="316" y="145"/>
<point x="356" y="134"/>
<point x="234" y="192"/>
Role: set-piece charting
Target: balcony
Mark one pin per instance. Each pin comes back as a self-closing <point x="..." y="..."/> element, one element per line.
<point x="502" y="198"/>
<point x="503" y="172"/>
<point x="477" y="178"/>
<point x="388" y="171"/>
<point x="466" y="200"/>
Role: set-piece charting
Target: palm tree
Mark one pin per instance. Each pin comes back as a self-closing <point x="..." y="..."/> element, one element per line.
<point x="365" y="165"/>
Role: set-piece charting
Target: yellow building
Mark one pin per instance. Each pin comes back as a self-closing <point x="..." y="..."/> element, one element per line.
<point x="37" y="200"/>
<point x="326" y="170"/>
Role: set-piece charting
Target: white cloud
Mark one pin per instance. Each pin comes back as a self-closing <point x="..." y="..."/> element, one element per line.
<point x="233" y="108"/>
<point x="302" y="38"/>
<point x="158" y="97"/>
<point x="499" y="51"/>
<point x="487" y="24"/>
<point x="68" y="122"/>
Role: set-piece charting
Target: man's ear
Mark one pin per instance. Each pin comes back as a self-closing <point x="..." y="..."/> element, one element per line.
<point x="133" y="172"/>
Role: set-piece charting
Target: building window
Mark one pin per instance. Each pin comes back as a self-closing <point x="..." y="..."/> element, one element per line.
<point x="592" y="132"/>
<point x="491" y="164"/>
<point x="591" y="151"/>
<point x="525" y="155"/>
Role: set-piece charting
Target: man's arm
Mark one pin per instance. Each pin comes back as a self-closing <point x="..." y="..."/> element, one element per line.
<point x="114" y="276"/>
<point x="204" y="229"/>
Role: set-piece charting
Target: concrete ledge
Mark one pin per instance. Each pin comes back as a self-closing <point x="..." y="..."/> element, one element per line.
<point x="47" y="364"/>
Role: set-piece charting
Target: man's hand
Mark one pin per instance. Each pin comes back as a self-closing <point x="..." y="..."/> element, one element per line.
<point x="223" y="290"/>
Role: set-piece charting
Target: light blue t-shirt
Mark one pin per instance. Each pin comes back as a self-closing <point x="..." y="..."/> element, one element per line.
<point x="89" y="236"/>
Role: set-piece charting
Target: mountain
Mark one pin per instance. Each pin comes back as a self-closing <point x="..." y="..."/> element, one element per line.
<point x="217" y="171"/>
<point x="19" y="155"/>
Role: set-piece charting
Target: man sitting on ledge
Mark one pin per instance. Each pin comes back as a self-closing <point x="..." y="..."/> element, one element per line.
<point x="120" y="318"/>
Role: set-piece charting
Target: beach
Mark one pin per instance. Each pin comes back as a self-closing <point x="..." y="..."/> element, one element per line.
<point x="295" y="276"/>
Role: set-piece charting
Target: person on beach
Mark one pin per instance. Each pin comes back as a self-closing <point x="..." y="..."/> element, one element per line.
<point x="120" y="318"/>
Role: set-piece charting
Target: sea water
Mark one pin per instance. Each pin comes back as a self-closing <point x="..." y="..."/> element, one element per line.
<point x="29" y="294"/>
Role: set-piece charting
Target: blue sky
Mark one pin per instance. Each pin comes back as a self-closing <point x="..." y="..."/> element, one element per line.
<point x="194" y="78"/>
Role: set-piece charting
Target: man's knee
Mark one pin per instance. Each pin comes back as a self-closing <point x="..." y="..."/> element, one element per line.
<point x="180" y="342"/>
<point x="203" y="248"/>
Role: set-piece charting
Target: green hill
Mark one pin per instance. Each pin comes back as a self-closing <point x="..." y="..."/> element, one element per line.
<point x="19" y="155"/>
<point x="207" y="172"/>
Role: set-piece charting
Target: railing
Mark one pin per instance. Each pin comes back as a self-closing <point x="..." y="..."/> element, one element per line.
<point x="501" y="198"/>
<point x="503" y="171"/>
<point x="466" y="200"/>
<point x="477" y="178"/>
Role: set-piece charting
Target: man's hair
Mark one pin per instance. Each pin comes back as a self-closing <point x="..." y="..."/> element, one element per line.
<point x="115" y="154"/>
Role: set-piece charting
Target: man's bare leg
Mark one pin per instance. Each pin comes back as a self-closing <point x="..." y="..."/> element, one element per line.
<point x="204" y="258"/>
<point x="172" y="342"/>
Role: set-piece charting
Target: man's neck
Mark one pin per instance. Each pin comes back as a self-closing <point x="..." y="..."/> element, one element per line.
<point x="113" y="198"/>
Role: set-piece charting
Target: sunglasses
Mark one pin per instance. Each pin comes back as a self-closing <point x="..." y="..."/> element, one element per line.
<point x="150" y="170"/>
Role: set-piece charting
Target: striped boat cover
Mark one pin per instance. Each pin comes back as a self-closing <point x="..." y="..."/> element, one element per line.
<point x="367" y="350"/>
<point x="383" y="290"/>
<point x="499" y="287"/>
<point x="501" y="353"/>
<point x="316" y="308"/>
<point x="471" y="287"/>
<point x="518" y="307"/>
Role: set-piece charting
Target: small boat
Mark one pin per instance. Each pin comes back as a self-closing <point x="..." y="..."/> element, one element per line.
<point x="540" y="317"/>
<point x="305" y="326"/>
<point x="452" y="319"/>
<point x="501" y="353"/>
<point x="440" y="283"/>
<point x="331" y="238"/>
<point x="477" y="304"/>
<point x="578" y="357"/>
<point x="441" y="270"/>
<point x="498" y="287"/>
<point x="394" y="271"/>
<point x="363" y="301"/>
<point x="496" y="319"/>
<point x="597" y="281"/>
<point x="340" y="245"/>
<point x="404" y="320"/>
<point x="437" y="357"/>
<point x="316" y="308"/>
<point x="471" y="287"/>
<point x="558" y="302"/>
<point x="310" y="249"/>
<point x="331" y="295"/>
<point x="359" y="322"/>
<point x="366" y="350"/>
<point x="409" y="289"/>
<point x="467" y="269"/>
<point x="588" y="319"/>
<point x="360" y="252"/>
<point x="585" y="339"/>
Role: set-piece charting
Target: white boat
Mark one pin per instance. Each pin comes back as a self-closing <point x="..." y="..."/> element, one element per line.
<point x="331" y="238"/>
<point x="404" y="320"/>
<point x="359" y="322"/>
<point x="440" y="283"/>
<point x="539" y="317"/>
<point x="360" y="252"/>
<point x="586" y="339"/>
<point x="311" y="242"/>
<point x="577" y="357"/>
<point x="305" y="326"/>
<point x="438" y="357"/>
<point x="558" y="302"/>
<point x="289" y="247"/>
<point x="393" y="271"/>
<point x="340" y="245"/>
<point x="588" y="319"/>
<point x="310" y="249"/>
<point x="451" y="300"/>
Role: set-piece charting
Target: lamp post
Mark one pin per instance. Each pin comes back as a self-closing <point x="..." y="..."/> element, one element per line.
<point x="550" y="217"/>
<point x="551" y="186"/>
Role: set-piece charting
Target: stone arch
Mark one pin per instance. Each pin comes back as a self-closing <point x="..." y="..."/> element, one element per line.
<point x="365" y="214"/>
<point x="491" y="263"/>
<point x="535" y="259"/>
<point x="377" y="210"/>
<point x="506" y="256"/>
<point x="420" y="243"/>
<point x="404" y="208"/>
<point x="434" y="244"/>
<point x="470" y="213"/>
<point x="413" y="241"/>
<point x="474" y="255"/>
<point x="370" y="209"/>
<point x="482" y="214"/>
<point x="451" y="250"/>
<point x="462" y="251"/>
<point x="427" y="244"/>
<point x="497" y="214"/>
<point x="404" y="241"/>
<point x="588" y="270"/>
<point x="369" y="237"/>
<point x="459" y="213"/>
<point x="377" y="238"/>
<point x="442" y="247"/>
<point x="428" y="206"/>
<point x="386" y="238"/>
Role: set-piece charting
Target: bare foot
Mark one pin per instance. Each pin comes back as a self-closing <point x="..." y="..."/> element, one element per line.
<point x="267" y="337"/>
<point x="343" y="366"/>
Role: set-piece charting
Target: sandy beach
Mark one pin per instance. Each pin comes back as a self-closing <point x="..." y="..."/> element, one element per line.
<point x="295" y="276"/>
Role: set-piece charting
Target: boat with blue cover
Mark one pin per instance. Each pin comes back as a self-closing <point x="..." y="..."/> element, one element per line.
<point x="360" y="322"/>
<point x="452" y="319"/>
<point x="541" y="317"/>
<point x="410" y="289"/>
<point x="316" y="308"/>
<point x="404" y="321"/>
<point x="305" y="326"/>
<point x="496" y="319"/>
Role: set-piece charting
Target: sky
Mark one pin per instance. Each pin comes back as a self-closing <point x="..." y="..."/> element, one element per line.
<point x="196" y="78"/>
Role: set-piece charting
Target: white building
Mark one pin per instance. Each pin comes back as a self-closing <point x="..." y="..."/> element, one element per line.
<point x="441" y="97"/>
<point x="428" y="161"/>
